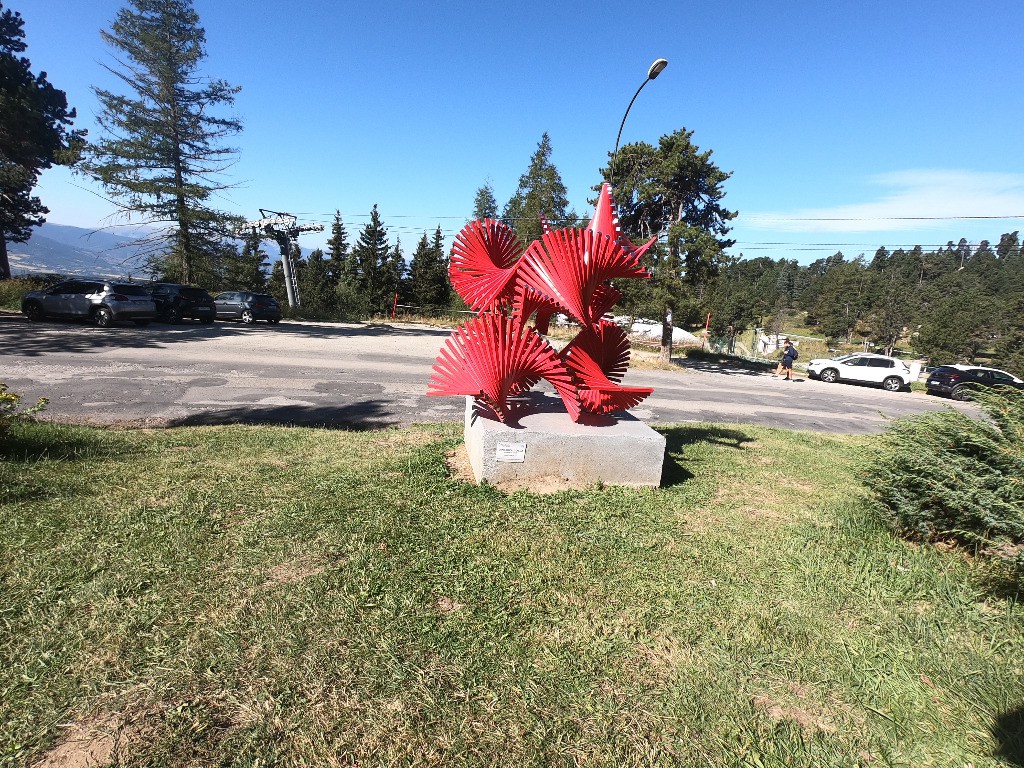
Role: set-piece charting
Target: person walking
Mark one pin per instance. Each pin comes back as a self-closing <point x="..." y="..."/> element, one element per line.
<point x="789" y="354"/>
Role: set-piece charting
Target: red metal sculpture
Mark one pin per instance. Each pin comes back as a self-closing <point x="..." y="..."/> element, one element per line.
<point x="497" y="355"/>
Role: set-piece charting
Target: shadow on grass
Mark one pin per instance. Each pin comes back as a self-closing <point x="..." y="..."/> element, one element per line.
<point x="44" y="441"/>
<point x="1008" y="731"/>
<point x="677" y="439"/>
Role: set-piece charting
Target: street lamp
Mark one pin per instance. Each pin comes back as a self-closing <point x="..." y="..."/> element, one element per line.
<point x="656" y="69"/>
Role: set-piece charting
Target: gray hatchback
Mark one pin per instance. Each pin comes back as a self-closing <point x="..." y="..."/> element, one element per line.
<point x="100" y="301"/>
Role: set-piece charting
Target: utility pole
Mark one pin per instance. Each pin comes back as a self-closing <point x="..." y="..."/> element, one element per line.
<point x="283" y="229"/>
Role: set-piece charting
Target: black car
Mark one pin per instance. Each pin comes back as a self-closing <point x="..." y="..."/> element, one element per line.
<point x="247" y="307"/>
<point x="957" y="381"/>
<point x="100" y="301"/>
<point x="176" y="302"/>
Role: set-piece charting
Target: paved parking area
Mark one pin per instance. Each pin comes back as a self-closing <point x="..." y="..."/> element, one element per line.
<point x="361" y="376"/>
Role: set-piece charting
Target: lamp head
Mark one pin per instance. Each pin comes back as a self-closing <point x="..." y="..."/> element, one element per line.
<point x="656" y="68"/>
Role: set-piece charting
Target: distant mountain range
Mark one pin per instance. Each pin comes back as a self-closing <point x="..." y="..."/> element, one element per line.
<point x="64" y="250"/>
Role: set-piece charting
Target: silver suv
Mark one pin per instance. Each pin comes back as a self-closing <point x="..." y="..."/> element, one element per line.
<point x="101" y="301"/>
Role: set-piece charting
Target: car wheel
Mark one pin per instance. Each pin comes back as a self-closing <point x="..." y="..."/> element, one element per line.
<point x="171" y="316"/>
<point x="247" y="317"/>
<point x="103" y="317"/>
<point x="892" y="384"/>
<point x="34" y="311"/>
<point x="142" y="323"/>
<point x="829" y="376"/>
<point x="960" y="393"/>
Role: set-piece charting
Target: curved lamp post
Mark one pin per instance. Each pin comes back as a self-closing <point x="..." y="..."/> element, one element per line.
<point x="656" y="69"/>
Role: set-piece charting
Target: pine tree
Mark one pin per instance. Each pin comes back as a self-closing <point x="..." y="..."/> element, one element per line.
<point x="161" y="153"/>
<point x="315" y="285"/>
<point x="443" y="286"/>
<point x="540" y="193"/>
<point x="485" y="205"/>
<point x="275" y="283"/>
<point x="340" y="267"/>
<point x="246" y="270"/>
<point x="370" y="256"/>
<point x="674" y="191"/>
<point x="395" y="278"/>
<point x="34" y="135"/>
<point x="428" y="274"/>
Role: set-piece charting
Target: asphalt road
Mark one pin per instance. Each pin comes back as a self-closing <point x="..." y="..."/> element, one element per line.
<point x="361" y="376"/>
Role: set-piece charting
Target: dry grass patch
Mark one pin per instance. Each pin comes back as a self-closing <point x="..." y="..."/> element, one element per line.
<point x="294" y="572"/>
<point x="89" y="744"/>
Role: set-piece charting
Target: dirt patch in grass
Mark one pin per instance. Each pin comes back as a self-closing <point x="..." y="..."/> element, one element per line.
<point x="293" y="572"/>
<point x="84" y="745"/>
<point x="810" y="720"/>
<point x="446" y="604"/>
<point x="459" y="466"/>
<point x="805" y="706"/>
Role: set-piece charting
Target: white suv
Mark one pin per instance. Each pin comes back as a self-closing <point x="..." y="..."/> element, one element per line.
<point x="865" y="368"/>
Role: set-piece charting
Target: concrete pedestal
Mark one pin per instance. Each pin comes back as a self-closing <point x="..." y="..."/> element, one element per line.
<point x="543" y="446"/>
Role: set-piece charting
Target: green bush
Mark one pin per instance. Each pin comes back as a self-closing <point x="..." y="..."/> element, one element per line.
<point x="12" y="290"/>
<point x="947" y="476"/>
<point x="10" y="408"/>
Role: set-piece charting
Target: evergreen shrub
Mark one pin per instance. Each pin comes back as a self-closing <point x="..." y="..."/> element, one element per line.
<point x="947" y="476"/>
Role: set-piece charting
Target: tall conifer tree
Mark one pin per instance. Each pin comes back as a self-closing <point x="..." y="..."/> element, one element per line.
<point x="485" y="205"/>
<point x="34" y="135"/>
<point x="248" y="269"/>
<point x="540" y="193"/>
<point x="162" y="152"/>
<point x="428" y="273"/>
<point x="370" y="256"/>
<point x="340" y="267"/>
<point x="315" y="286"/>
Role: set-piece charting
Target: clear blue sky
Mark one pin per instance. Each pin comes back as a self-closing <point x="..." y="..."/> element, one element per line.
<point x="869" y="111"/>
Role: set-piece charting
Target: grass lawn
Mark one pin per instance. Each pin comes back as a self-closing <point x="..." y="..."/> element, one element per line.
<point x="251" y="596"/>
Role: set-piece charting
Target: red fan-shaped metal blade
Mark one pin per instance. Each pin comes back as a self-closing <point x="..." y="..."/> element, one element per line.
<point x="598" y="359"/>
<point x="607" y="346"/>
<point x="567" y="266"/>
<point x="492" y="357"/>
<point x="606" y="222"/>
<point x="613" y="400"/>
<point x="483" y="264"/>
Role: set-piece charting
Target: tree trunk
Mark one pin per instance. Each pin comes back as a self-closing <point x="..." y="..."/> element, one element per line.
<point x="666" y="336"/>
<point x="5" y="265"/>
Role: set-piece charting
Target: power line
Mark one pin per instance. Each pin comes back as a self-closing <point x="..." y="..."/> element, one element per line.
<point x="756" y="217"/>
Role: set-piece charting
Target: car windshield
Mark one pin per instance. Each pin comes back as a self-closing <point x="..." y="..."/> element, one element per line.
<point x="843" y="358"/>
<point x="129" y="290"/>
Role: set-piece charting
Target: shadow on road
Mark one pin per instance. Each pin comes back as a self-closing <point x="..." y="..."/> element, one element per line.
<point x="361" y="415"/>
<point x="674" y="471"/>
<point x="729" y="369"/>
<point x="18" y="336"/>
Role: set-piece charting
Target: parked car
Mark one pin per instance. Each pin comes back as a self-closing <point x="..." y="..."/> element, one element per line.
<point x="247" y="307"/>
<point x="101" y="301"/>
<point x="865" y="368"/>
<point x="176" y="302"/>
<point x="957" y="381"/>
